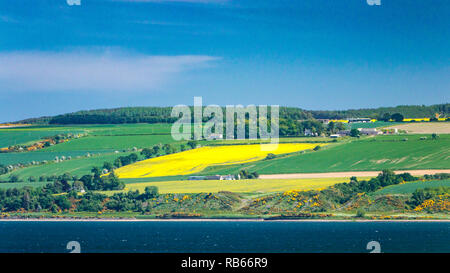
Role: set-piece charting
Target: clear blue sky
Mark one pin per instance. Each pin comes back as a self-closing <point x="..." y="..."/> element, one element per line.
<point x="313" y="54"/>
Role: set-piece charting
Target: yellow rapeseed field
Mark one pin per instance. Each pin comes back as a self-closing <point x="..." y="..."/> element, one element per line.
<point x="196" y="160"/>
<point x="421" y="119"/>
<point x="339" y="120"/>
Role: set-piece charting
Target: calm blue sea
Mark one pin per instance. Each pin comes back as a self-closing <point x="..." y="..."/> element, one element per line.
<point x="233" y="236"/>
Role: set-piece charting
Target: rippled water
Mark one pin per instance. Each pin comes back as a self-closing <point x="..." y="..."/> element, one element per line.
<point x="231" y="236"/>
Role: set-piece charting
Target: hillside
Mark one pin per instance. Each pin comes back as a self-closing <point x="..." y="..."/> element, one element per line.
<point x="408" y="188"/>
<point x="137" y="115"/>
<point x="382" y="152"/>
<point x="162" y="114"/>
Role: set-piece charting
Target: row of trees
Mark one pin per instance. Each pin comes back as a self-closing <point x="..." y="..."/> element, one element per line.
<point x="420" y="195"/>
<point x="290" y="127"/>
<point x="395" y="117"/>
<point x="410" y="111"/>
<point x="163" y="114"/>
<point x="62" y="196"/>
<point x="157" y="150"/>
<point x="97" y="181"/>
<point x="139" y="115"/>
<point x="343" y="192"/>
<point x="298" y="128"/>
<point x="59" y="197"/>
<point x="3" y="169"/>
<point x="245" y="174"/>
<point x="122" y="161"/>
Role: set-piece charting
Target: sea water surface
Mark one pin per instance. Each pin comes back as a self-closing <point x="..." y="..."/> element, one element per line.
<point x="223" y="236"/>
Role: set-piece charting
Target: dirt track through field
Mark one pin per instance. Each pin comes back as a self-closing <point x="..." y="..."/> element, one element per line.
<point x="345" y="174"/>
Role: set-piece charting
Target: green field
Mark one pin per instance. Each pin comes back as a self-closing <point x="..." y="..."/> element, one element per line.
<point x="100" y="139"/>
<point x="259" y="141"/>
<point x="6" y="186"/>
<point x="410" y="187"/>
<point x="348" y="154"/>
<point x="130" y="129"/>
<point x="375" y="153"/>
<point x="375" y="124"/>
<point x="77" y="166"/>
<point x="10" y="137"/>
<point x="27" y="157"/>
<point x="23" y="135"/>
<point x="110" y="143"/>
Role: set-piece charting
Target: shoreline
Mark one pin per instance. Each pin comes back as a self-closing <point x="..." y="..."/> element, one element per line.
<point x="220" y="220"/>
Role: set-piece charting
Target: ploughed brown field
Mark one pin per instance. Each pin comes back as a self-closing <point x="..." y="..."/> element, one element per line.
<point x="424" y="127"/>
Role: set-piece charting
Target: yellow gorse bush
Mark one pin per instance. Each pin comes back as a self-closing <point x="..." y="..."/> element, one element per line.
<point x="196" y="160"/>
<point x="441" y="203"/>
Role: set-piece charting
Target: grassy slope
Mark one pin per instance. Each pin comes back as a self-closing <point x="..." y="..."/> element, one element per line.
<point x="131" y="129"/>
<point x="375" y="124"/>
<point x="382" y="152"/>
<point x="364" y="154"/>
<point x="22" y="135"/>
<point x="77" y="166"/>
<point x="116" y="137"/>
<point x="100" y="139"/>
<point x="9" y="137"/>
<point x="6" y="186"/>
<point x="14" y="158"/>
<point x="111" y="143"/>
<point x="410" y="187"/>
<point x="258" y="141"/>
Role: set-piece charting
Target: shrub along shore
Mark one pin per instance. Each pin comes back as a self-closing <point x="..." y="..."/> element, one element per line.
<point x="352" y="200"/>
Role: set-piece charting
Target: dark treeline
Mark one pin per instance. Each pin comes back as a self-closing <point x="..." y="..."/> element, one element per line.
<point x="4" y="169"/>
<point x="139" y="115"/>
<point x="117" y="116"/>
<point x="57" y="198"/>
<point x="408" y="111"/>
<point x="343" y="192"/>
<point x="162" y="114"/>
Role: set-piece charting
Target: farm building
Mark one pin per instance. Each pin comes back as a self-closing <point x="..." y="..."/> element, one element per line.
<point x="356" y="120"/>
<point x="227" y="177"/>
<point x="347" y="120"/>
<point x="343" y="133"/>
<point x="369" y="131"/>
<point x="212" y="177"/>
<point x="309" y="132"/>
